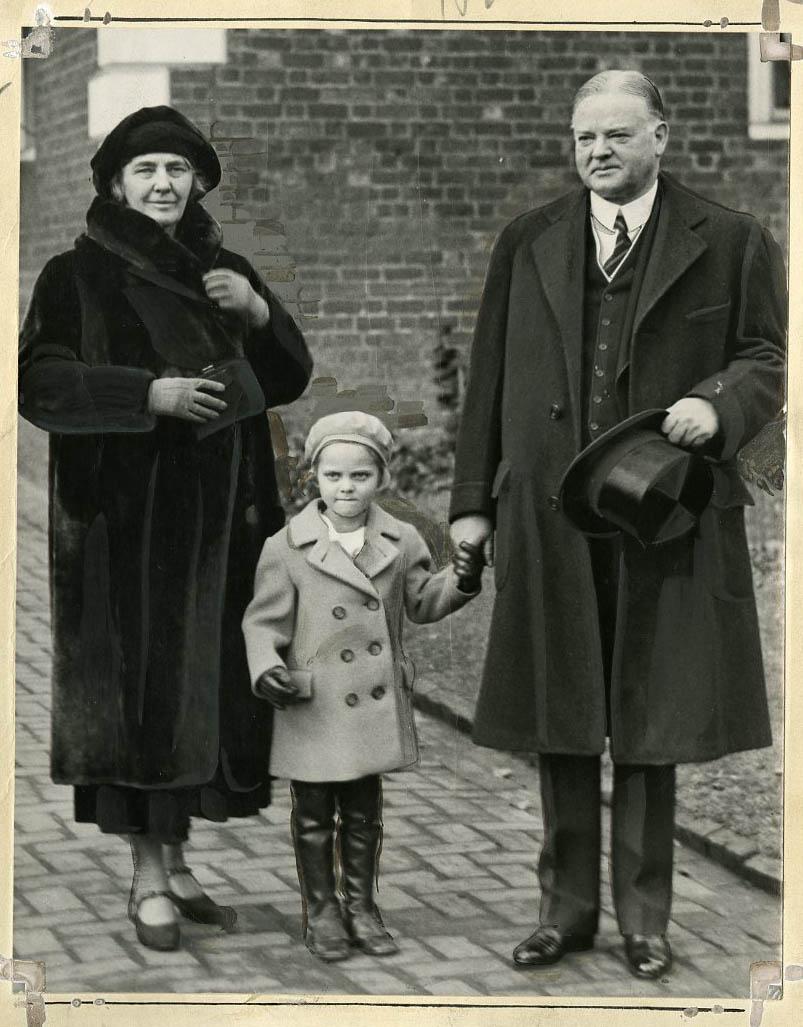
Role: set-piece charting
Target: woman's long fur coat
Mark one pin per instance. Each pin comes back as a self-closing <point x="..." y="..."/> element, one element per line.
<point x="154" y="535"/>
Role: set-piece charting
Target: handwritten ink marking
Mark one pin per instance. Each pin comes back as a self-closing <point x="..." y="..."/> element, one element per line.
<point x="460" y="5"/>
<point x="773" y="48"/>
<point x="4" y="87"/>
<point x="771" y="14"/>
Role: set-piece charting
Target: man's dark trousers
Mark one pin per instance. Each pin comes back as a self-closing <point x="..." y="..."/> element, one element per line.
<point x="642" y="815"/>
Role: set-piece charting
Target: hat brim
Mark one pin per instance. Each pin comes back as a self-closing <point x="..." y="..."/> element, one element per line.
<point x="159" y="129"/>
<point x="353" y="437"/>
<point x="573" y="492"/>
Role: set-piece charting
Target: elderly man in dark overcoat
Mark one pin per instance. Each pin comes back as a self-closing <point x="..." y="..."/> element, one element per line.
<point x="627" y="294"/>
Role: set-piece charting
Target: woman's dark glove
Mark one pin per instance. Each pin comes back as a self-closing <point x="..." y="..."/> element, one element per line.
<point x="276" y="688"/>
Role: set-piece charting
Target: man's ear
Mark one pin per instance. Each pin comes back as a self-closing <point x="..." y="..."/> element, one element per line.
<point x="661" y="137"/>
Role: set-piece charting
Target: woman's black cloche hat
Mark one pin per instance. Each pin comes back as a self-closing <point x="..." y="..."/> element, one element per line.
<point x="633" y="479"/>
<point x="153" y="130"/>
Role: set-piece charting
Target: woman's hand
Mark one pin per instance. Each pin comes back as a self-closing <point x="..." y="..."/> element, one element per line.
<point x="188" y="399"/>
<point x="276" y="687"/>
<point x="232" y="291"/>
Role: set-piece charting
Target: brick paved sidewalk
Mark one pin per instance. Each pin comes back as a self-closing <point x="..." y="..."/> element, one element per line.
<point x="457" y="887"/>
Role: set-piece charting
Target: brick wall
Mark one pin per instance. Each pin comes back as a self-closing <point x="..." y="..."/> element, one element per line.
<point x="56" y="188"/>
<point x="367" y="173"/>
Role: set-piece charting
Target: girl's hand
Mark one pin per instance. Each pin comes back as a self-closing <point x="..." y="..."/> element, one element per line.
<point x="467" y="560"/>
<point x="233" y="291"/>
<point x="188" y="399"/>
<point x="468" y="563"/>
<point x="276" y="688"/>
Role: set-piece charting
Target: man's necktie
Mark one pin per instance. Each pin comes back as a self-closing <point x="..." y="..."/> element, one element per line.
<point x="621" y="248"/>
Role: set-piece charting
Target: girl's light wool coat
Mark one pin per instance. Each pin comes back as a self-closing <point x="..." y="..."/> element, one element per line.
<point x="336" y="624"/>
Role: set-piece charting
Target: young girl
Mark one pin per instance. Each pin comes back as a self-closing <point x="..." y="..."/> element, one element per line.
<point x="324" y="640"/>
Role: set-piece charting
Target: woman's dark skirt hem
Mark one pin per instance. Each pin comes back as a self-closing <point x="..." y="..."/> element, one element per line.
<point x="164" y="813"/>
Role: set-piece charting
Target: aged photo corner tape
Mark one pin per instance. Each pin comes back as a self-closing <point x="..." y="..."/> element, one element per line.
<point x="31" y="974"/>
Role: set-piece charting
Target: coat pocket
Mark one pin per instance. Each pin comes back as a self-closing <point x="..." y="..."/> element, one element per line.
<point x="705" y="314"/>
<point x="500" y="493"/>
<point x="408" y="672"/>
<point x="726" y="559"/>
<point x="302" y="679"/>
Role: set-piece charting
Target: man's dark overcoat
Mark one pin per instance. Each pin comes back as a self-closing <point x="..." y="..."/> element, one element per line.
<point x="154" y="534"/>
<point x="687" y="680"/>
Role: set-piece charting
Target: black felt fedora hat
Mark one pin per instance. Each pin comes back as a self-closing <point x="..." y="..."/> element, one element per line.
<point x="153" y="130"/>
<point x="633" y="479"/>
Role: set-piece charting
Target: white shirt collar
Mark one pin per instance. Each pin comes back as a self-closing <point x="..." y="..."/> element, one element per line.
<point x="635" y="213"/>
<point x="351" y="541"/>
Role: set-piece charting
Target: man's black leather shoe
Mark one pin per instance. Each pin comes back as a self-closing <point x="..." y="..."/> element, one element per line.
<point x="648" y="955"/>
<point x="547" y="945"/>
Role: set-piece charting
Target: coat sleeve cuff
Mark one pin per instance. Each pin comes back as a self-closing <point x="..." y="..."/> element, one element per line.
<point x="457" y="596"/>
<point x="70" y="398"/>
<point x="473" y="497"/>
<point x="729" y="415"/>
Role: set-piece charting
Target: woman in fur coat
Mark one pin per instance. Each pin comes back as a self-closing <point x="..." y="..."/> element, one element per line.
<point x="150" y="353"/>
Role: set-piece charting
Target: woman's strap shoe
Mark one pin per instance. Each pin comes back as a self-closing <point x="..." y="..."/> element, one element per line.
<point x="200" y="908"/>
<point x="548" y="945"/>
<point x="162" y="937"/>
<point x="648" y="955"/>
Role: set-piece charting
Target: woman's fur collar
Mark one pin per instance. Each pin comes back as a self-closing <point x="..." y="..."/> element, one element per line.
<point x="139" y="240"/>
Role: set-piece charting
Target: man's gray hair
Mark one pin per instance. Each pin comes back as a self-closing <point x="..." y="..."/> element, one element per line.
<point x="633" y="82"/>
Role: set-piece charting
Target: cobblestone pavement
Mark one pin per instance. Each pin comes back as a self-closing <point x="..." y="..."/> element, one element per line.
<point x="457" y="886"/>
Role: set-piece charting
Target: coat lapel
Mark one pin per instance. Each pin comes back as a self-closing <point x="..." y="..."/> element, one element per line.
<point x="330" y="558"/>
<point x="156" y="277"/>
<point x="379" y="550"/>
<point x="675" y="247"/>
<point x="559" y="254"/>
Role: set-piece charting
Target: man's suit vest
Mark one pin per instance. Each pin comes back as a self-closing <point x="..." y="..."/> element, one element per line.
<point x="608" y="311"/>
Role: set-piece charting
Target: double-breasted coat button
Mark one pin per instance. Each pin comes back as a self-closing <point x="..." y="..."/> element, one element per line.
<point x="554" y="502"/>
<point x="338" y="612"/>
<point x="373" y="604"/>
<point x="374" y="648"/>
<point x="352" y="699"/>
<point x="556" y="411"/>
<point x="378" y="692"/>
<point x="347" y="656"/>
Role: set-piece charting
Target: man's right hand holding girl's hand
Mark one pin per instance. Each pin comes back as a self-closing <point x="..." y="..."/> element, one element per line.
<point x="275" y="687"/>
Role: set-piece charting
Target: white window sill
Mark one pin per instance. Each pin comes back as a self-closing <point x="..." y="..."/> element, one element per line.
<point x="769" y="130"/>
